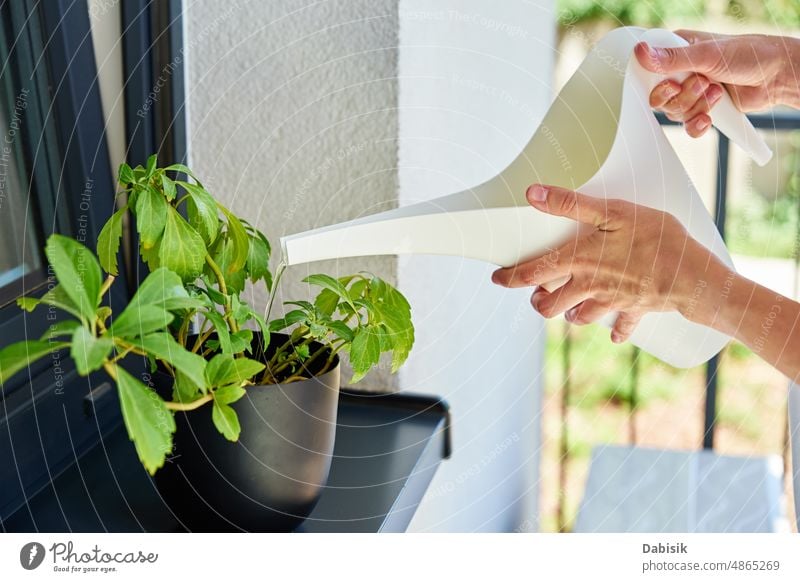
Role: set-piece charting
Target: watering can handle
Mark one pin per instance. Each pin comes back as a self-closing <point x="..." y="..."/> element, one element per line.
<point x="725" y="116"/>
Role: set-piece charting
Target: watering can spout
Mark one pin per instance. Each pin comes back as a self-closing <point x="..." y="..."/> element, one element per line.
<point x="456" y="225"/>
<point x="617" y="150"/>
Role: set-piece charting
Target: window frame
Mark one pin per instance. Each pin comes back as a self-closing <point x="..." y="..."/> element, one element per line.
<point x="44" y="422"/>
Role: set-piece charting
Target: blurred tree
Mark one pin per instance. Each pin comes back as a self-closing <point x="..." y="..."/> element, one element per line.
<point x="655" y="12"/>
<point x="627" y="12"/>
<point x="782" y="12"/>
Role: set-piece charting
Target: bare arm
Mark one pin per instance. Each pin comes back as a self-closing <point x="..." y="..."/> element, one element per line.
<point x="765" y="321"/>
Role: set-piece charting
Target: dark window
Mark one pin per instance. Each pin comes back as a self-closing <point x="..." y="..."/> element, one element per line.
<point x="54" y="177"/>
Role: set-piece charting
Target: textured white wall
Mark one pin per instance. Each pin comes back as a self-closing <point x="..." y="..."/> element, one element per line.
<point x="292" y="116"/>
<point x="475" y="80"/>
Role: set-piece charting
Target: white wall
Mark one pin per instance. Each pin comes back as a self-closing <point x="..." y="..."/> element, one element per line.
<point x="106" y="28"/>
<point x="294" y="121"/>
<point x="475" y="80"/>
<point x="292" y="116"/>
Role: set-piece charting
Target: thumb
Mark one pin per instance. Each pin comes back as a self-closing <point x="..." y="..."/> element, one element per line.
<point x="568" y="203"/>
<point x="701" y="57"/>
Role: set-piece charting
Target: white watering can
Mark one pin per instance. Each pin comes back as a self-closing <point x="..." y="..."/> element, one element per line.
<point x="599" y="137"/>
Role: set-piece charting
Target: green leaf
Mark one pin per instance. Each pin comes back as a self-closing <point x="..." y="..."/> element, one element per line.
<point x="60" y="329"/>
<point x="29" y="303"/>
<point x="150" y="256"/>
<point x="226" y="421"/>
<point x="229" y="394"/>
<point x="125" y="174"/>
<point x="304" y="305"/>
<point x="163" y="346"/>
<point x="89" y="351"/>
<point x="365" y="352"/>
<point x="334" y="285"/>
<point x="151" y="216"/>
<point x="202" y="211"/>
<point x="357" y="289"/>
<point x="149" y="423"/>
<point x="182" y="249"/>
<point x="242" y="341"/>
<point x="294" y="316"/>
<point x="152" y="162"/>
<point x="164" y="288"/>
<point x="327" y="301"/>
<point x="139" y="174"/>
<point x="341" y="330"/>
<point x="224" y="369"/>
<point x="78" y="273"/>
<point x="149" y="310"/>
<point x="224" y="255"/>
<point x="391" y="309"/>
<point x="103" y="313"/>
<point x="108" y="241"/>
<point x="258" y="260"/>
<point x="55" y="297"/>
<point x="170" y="191"/>
<point x="18" y="356"/>
<point x="182" y="169"/>
<point x="184" y="390"/>
<point x="140" y="319"/>
<point x="241" y="242"/>
<point x="223" y="333"/>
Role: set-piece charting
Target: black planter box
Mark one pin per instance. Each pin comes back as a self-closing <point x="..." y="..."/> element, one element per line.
<point x="387" y="449"/>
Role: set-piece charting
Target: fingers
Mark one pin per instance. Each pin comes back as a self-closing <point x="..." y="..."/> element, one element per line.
<point x="698" y="125"/>
<point x="624" y="326"/>
<point x="554" y="265"/>
<point x="588" y="311"/>
<point x="704" y="103"/>
<point x="700" y="57"/>
<point x="691" y="104"/>
<point x="568" y="203"/>
<point x="693" y="89"/>
<point x="551" y="304"/>
<point x="664" y="92"/>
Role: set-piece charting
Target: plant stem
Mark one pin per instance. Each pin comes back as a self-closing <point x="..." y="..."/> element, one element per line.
<point x="184" y="331"/>
<point x="186" y="406"/>
<point x="331" y="357"/>
<point x="202" y="337"/>
<point x="121" y="355"/>
<point x="106" y="284"/>
<point x="292" y="358"/>
<point x="223" y="288"/>
<point x="110" y="369"/>
<point x="314" y="357"/>
<point x="294" y="378"/>
<point x="288" y="343"/>
<point x="129" y="347"/>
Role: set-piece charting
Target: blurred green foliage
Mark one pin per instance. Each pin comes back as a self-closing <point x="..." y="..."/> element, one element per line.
<point x="627" y="12"/>
<point x="655" y="12"/>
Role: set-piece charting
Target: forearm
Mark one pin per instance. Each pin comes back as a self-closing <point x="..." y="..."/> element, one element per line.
<point x="766" y="322"/>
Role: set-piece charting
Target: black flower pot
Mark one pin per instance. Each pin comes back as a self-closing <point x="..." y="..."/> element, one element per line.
<point x="268" y="481"/>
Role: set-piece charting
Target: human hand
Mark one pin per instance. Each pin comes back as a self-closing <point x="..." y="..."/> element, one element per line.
<point x="631" y="259"/>
<point x="757" y="71"/>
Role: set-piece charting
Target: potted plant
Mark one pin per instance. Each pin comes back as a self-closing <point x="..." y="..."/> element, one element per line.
<point x="213" y="364"/>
